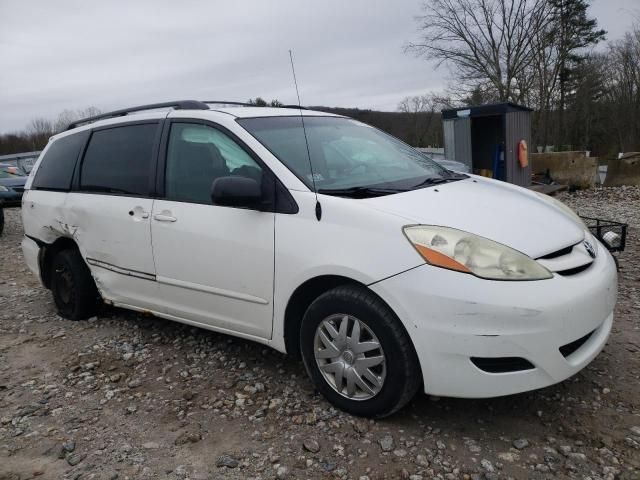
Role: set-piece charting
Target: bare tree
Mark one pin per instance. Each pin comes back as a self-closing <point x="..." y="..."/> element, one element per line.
<point x="486" y="41"/>
<point x="544" y="73"/>
<point x="39" y="130"/>
<point x="623" y="89"/>
<point x="421" y="109"/>
<point x="69" y="116"/>
<point x="40" y="126"/>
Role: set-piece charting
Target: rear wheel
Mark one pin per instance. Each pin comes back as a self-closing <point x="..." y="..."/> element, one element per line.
<point x="357" y="352"/>
<point x="74" y="291"/>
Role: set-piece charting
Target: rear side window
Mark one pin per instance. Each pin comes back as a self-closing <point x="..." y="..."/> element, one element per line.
<point x="118" y="160"/>
<point x="56" y="168"/>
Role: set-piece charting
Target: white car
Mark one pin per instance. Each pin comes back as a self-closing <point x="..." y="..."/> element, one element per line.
<point x="320" y="236"/>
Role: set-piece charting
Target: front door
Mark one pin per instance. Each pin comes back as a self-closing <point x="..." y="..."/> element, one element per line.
<point x="214" y="264"/>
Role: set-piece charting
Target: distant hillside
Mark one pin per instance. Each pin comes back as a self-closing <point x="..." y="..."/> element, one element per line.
<point x="419" y="130"/>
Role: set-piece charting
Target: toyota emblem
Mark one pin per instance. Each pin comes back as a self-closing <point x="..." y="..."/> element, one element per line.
<point x="590" y="250"/>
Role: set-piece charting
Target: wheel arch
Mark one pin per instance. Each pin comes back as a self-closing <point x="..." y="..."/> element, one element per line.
<point x="305" y="294"/>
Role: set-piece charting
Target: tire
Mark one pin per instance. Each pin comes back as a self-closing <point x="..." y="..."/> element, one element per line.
<point x="74" y="291"/>
<point x="396" y="378"/>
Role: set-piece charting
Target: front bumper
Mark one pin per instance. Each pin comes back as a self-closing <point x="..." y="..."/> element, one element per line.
<point x="452" y="317"/>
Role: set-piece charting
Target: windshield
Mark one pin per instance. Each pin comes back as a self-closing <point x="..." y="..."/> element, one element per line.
<point x="345" y="154"/>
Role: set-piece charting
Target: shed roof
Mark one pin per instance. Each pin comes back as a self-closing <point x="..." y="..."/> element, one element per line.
<point x="484" y="110"/>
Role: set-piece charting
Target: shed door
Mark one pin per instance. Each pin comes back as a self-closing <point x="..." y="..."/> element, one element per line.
<point x="463" y="141"/>
<point x="517" y="127"/>
<point x="449" y="139"/>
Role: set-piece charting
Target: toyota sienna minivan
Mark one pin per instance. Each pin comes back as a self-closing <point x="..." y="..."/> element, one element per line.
<point x="321" y="237"/>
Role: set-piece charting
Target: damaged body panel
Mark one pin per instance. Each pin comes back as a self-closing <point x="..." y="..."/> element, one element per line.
<point x="114" y="236"/>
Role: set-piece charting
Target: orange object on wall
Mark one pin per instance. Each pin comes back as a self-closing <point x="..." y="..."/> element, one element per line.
<point x="523" y="158"/>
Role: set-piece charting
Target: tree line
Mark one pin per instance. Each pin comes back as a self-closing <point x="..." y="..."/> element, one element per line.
<point x="545" y="54"/>
<point x="38" y="131"/>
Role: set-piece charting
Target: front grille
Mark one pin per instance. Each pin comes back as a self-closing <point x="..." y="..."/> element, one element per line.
<point x="572" y="347"/>
<point x="556" y="254"/>
<point x="574" y="271"/>
<point x="502" y="364"/>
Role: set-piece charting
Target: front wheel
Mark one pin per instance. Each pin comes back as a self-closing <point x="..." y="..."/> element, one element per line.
<point x="358" y="354"/>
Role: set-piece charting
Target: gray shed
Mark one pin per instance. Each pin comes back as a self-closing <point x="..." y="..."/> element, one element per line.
<point x="487" y="137"/>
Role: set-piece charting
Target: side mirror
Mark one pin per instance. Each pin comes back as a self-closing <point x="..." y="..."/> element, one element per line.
<point x="236" y="192"/>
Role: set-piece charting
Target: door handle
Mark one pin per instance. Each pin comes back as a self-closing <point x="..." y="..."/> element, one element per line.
<point x="164" y="218"/>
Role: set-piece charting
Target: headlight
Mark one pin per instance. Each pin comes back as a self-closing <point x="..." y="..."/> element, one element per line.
<point x="465" y="252"/>
<point x="566" y="209"/>
<point x="3" y="188"/>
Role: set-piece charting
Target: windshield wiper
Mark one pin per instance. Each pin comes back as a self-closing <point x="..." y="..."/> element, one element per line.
<point x="438" y="180"/>
<point x="360" y="192"/>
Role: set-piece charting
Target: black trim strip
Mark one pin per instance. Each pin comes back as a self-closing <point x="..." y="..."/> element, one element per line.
<point x="574" y="271"/>
<point x="572" y="347"/>
<point x="502" y="364"/>
<point x="123" y="271"/>
<point x="558" y="253"/>
<point x="39" y="242"/>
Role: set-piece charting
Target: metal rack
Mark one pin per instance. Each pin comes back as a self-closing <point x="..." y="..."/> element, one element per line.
<point x="603" y="230"/>
<point x="177" y="105"/>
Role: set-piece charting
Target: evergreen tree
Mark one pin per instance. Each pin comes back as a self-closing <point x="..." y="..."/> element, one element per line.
<point x="575" y="32"/>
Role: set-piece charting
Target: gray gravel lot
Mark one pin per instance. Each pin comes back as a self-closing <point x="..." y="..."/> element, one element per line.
<point x="126" y="396"/>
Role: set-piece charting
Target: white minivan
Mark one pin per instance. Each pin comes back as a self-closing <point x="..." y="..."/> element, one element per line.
<point x="322" y="237"/>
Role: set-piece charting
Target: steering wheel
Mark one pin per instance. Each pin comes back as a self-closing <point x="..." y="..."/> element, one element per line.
<point x="358" y="164"/>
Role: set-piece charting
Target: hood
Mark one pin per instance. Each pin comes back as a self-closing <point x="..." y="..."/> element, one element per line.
<point x="505" y="213"/>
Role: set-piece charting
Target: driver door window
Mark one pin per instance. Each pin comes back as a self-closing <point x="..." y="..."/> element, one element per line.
<point x="197" y="155"/>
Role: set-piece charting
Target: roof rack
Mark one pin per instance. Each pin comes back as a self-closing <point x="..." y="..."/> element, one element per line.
<point x="224" y="102"/>
<point x="242" y="104"/>
<point x="178" y="105"/>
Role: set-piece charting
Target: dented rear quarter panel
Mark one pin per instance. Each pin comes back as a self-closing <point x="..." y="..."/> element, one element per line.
<point x="44" y="215"/>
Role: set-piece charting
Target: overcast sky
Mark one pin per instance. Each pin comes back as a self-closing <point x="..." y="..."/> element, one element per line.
<point x="58" y="54"/>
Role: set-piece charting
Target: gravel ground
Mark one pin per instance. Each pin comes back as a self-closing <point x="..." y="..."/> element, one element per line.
<point x="125" y="396"/>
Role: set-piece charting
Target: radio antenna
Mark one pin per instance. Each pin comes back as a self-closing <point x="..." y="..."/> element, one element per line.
<point x="306" y="140"/>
